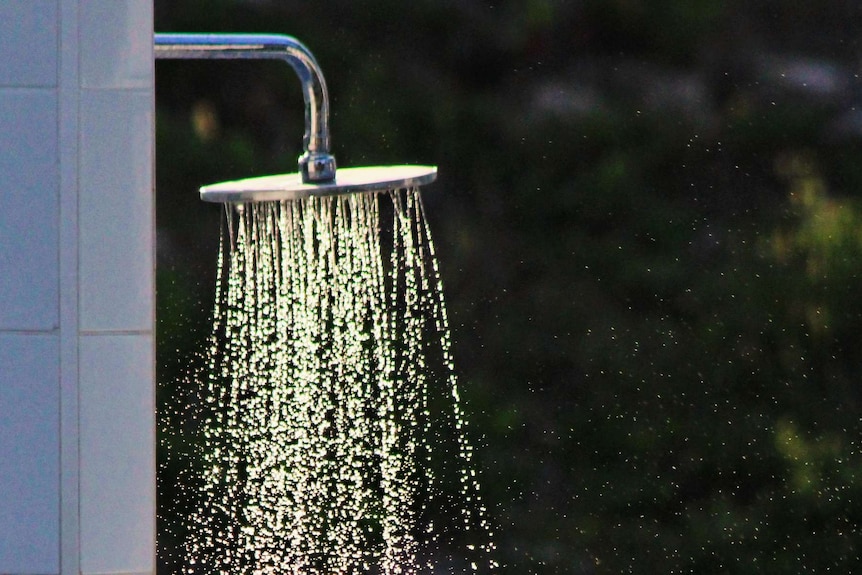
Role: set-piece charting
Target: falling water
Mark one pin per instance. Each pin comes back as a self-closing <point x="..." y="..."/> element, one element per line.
<point x="333" y="439"/>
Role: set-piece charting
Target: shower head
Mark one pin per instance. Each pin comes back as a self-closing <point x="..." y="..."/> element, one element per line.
<point x="346" y="181"/>
<point x="317" y="172"/>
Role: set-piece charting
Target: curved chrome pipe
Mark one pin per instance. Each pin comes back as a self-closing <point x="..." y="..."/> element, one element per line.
<point x="316" y="163"/>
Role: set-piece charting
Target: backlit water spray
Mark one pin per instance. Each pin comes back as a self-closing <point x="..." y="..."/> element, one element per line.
<point x="325" y="428"/>
<point x="330" y="415"/>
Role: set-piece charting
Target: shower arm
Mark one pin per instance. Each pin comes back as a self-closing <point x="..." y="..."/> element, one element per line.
<point x="316" y="164"/>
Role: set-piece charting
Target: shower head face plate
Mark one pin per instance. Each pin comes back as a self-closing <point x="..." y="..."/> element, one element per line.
<point x="291" y="186"/>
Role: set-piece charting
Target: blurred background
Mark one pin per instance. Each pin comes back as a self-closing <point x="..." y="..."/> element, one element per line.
<point x="649" y="227"/>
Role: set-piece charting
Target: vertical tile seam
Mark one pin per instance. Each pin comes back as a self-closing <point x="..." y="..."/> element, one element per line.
<point x="153" y="255"/>
<point x="69" y="146"/>
<point x="153" y="260"/>
<point x="151" y="155"/>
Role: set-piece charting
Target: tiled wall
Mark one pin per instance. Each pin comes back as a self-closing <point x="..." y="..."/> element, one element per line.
<point x="77" y="451"/>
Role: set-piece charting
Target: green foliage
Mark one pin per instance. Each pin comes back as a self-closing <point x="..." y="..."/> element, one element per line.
<point x="656" y="312"/>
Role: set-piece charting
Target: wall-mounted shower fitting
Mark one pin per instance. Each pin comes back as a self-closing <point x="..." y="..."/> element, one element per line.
<point x="317" y="173"/>
<point x="316" y="164"/>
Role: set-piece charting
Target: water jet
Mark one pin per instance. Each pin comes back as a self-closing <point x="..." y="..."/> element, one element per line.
<point x="330" y="343"/>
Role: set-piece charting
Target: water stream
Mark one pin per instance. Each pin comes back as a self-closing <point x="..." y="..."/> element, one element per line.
<point x="332" y="438"/>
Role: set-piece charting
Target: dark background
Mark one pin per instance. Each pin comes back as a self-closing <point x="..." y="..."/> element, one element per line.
<point x="649" y="226"/>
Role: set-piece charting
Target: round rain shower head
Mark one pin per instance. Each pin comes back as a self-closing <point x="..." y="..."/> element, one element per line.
<point x="291" y="186"/>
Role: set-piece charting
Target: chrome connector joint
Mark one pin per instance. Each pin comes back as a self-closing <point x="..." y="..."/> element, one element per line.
<point x="317" y="167"/>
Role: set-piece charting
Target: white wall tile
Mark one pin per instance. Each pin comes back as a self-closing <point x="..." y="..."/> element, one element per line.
<point x="116" y="44"/>
<point x="28" y="42"/>
<point x="29" y="220"/>
<point x="116" y="210"/>
<point x="117" y="437"/>
<point x="29" y="453"/>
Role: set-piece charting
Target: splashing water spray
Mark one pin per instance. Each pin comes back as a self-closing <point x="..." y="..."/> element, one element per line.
<point x="332" y="438"/>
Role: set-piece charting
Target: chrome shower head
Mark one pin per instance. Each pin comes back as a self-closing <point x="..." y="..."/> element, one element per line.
<point x="317" y="172"/>
<point x="346" y="181"/>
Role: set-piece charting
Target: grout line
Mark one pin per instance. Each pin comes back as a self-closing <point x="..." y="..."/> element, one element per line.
<point x="121" y="332"/>
<point x="68" y="103"/>
<point x="25" y="88"/>
<point x="140" y="89"/>
<point x="52" y="331"/>
<point x="153" y="320"/>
